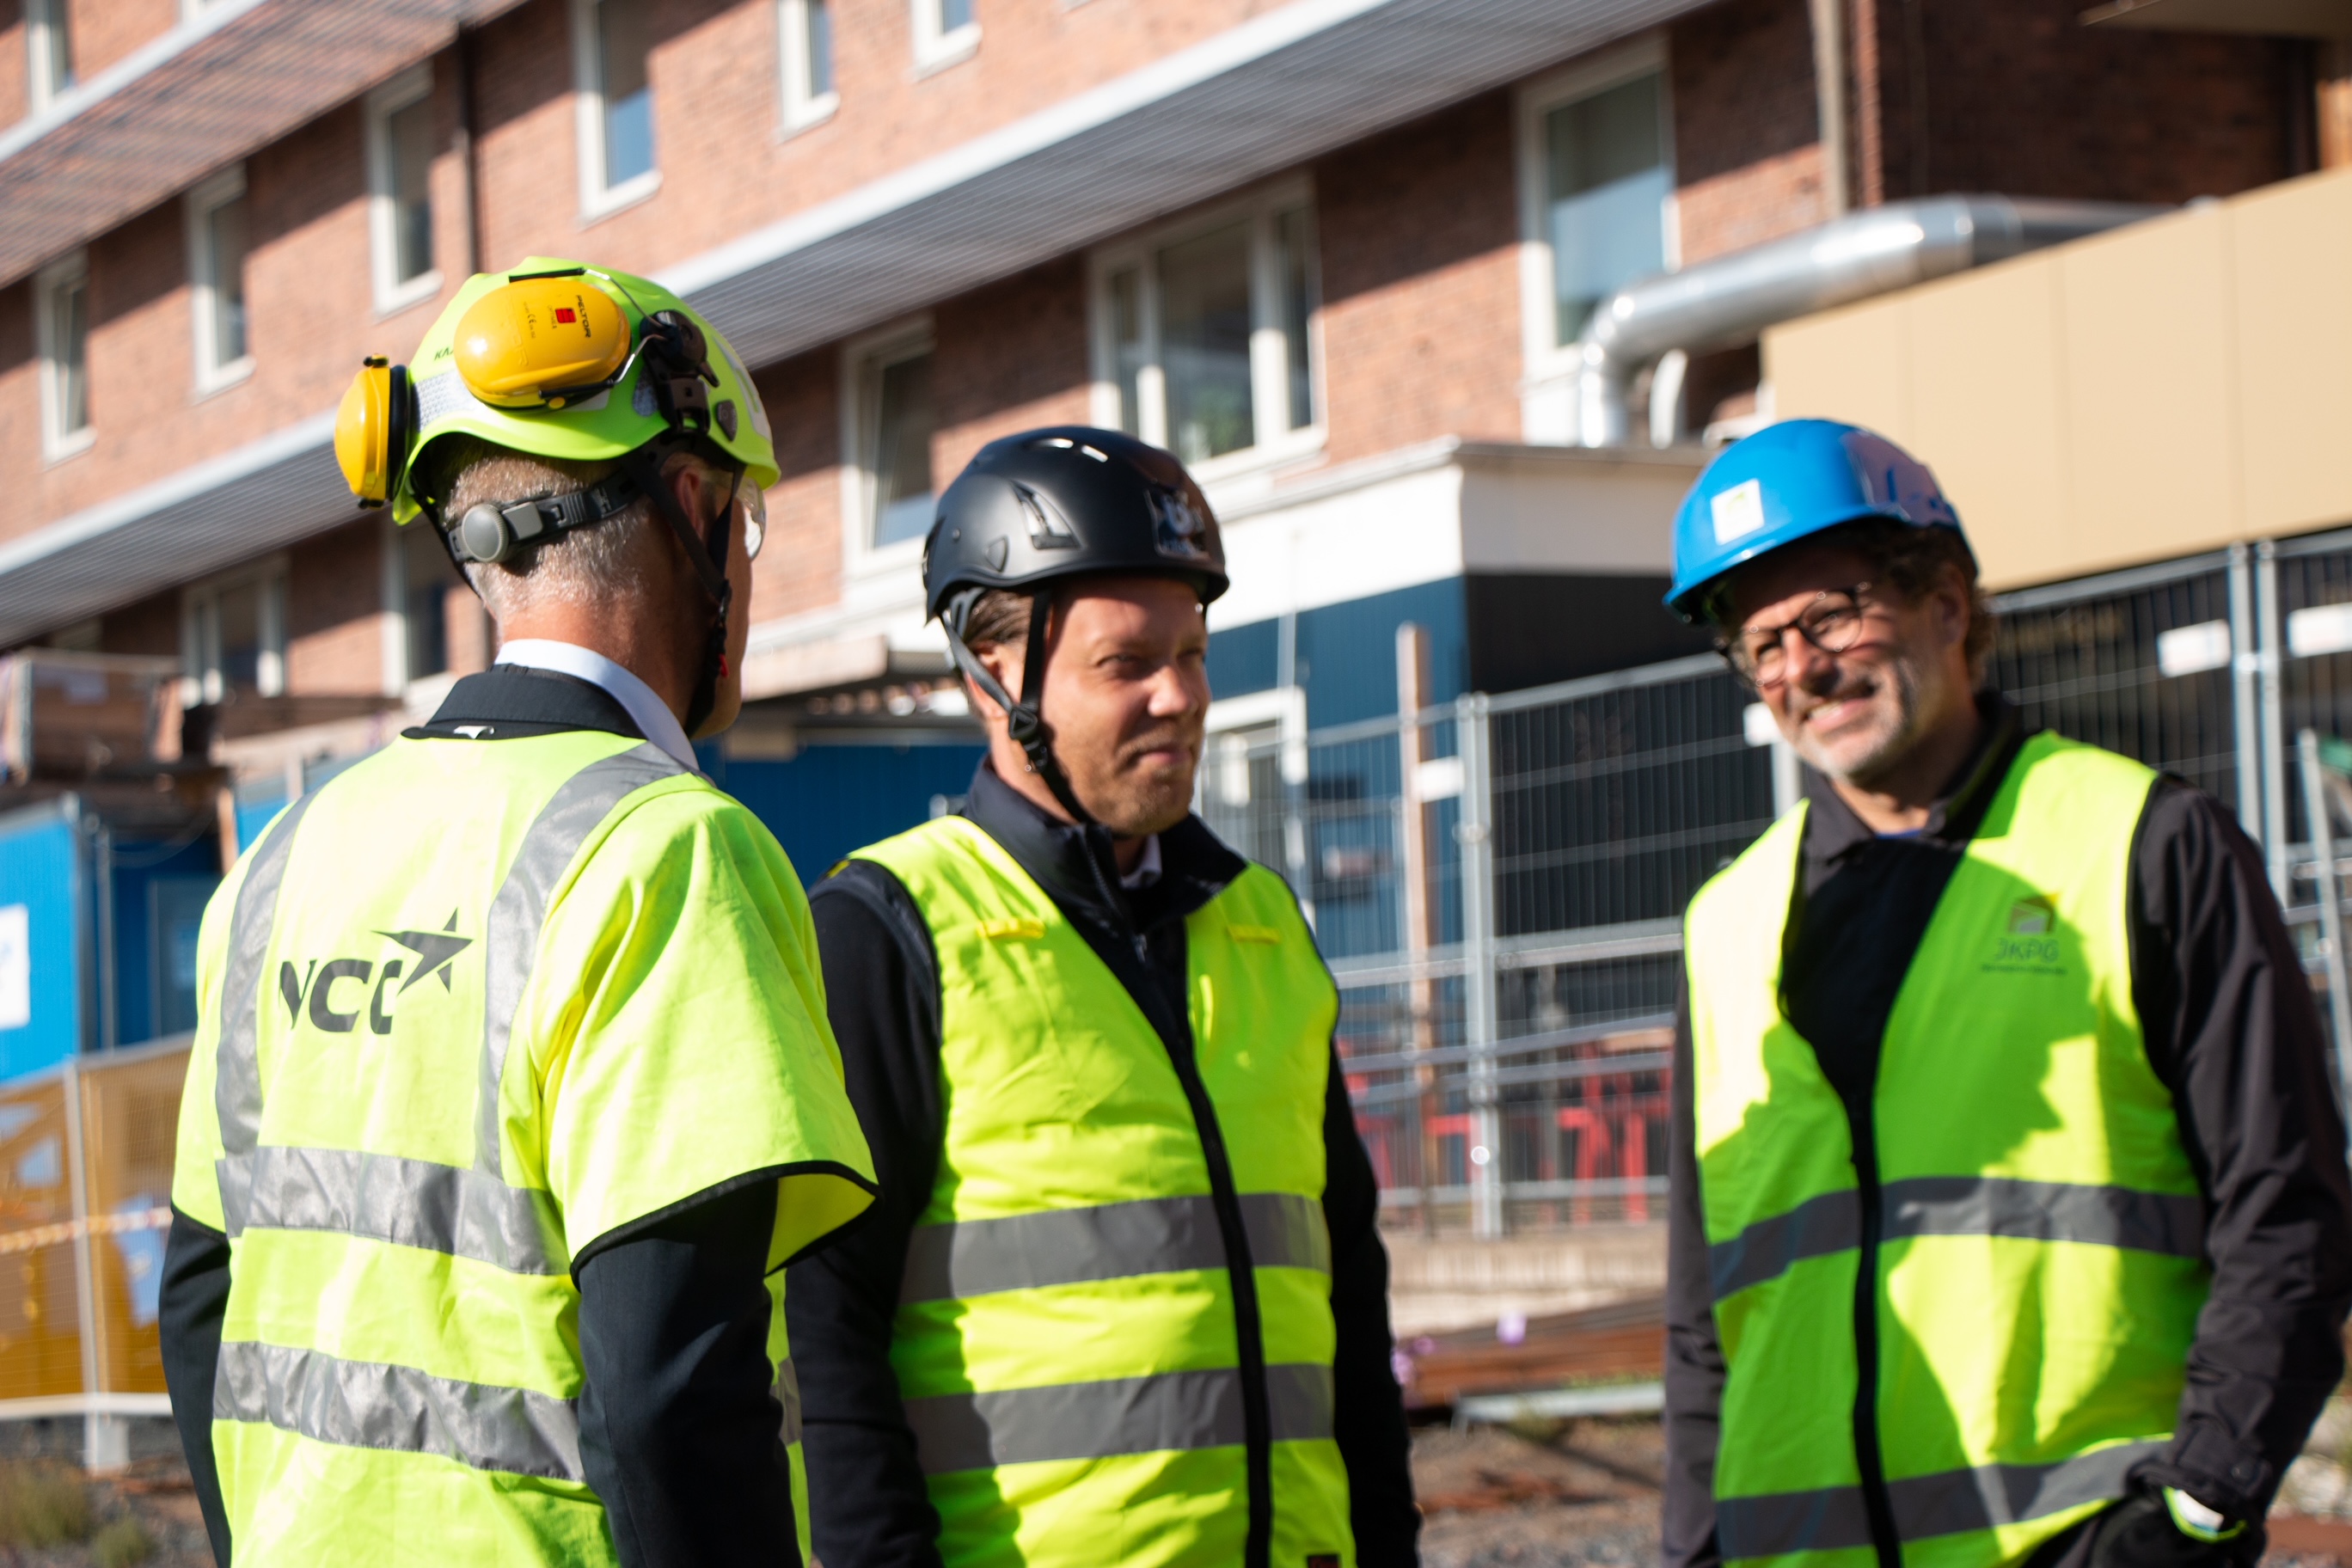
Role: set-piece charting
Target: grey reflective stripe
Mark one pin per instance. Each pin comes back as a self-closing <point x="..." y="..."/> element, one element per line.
<point x="1109" y="1241"/>
<point x="369" y="1405"/>
<point x="237" y="1081"/>
<point x="2047" y="1211"/>
<point x="1770" y="1248"/>
<point x="448" y="1209"/>
<point x="2123" y="1217"/>
<point x="787" y="1390"/>
<point x="1949" y="1503"/>
<point x="511" y="938"/>
<point x="1175" y="1410"/>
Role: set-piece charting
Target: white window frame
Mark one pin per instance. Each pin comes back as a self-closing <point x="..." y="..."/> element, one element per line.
<point x="936" y="48"/>
<point x="1269" y="350"/>
<point x="200" y="650"/>
<point x="212" y="373"/>
<point x="409" y="88"/>
<point x="862" y="360"/>
<point x="57" y="442"/>
<point x="801" y="106"/>
<point x="1538" y="312"/>
<point x="597" y="198"/>
<point x="43" y="21"/>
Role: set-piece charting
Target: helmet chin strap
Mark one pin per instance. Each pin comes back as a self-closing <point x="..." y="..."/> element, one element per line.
<point x="703" y="551"/>
<point x="1024" y="721"/>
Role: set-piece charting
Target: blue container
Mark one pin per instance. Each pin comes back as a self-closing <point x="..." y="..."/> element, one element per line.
<point x="44" y="938"/>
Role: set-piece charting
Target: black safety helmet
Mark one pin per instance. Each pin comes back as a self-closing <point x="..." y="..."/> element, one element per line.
<point x="1034" y="510"/>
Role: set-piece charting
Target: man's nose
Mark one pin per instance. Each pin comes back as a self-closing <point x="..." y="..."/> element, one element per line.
<point x="1171" y="694"/>
<point x="1809" y="668"/>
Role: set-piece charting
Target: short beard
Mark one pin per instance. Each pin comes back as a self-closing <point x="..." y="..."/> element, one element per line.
<point x="1134" y="807"/>
<point x="1891" y="747"/>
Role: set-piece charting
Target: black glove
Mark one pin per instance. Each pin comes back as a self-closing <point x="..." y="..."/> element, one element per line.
<point x="2139" y="1532"/>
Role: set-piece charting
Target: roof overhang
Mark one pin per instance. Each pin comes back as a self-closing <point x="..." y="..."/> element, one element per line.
<point x="1257" y="99"/>
<point x="238" y="76"/>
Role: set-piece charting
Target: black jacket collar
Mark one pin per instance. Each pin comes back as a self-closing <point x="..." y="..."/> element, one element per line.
<point x="507" y="702"/>
<point x="1831" y="828"/>
<point x="1076" y="869"/>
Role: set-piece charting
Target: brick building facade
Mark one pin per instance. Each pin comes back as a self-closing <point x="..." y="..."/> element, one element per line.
<point x="1337" y="253"/>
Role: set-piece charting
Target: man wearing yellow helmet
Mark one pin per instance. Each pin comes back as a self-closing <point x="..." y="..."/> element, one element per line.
<point x="488" y="1271"/>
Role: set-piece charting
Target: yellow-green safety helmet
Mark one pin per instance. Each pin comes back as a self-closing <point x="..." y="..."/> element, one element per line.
<point x="555" y="358"/>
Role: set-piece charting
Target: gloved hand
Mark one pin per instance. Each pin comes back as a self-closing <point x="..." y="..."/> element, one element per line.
<point x="2139" y="1532"/>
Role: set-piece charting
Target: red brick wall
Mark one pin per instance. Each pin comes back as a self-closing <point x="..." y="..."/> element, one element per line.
<point x="1419" y="240"/>
<point x="1010" y="357"/>
<point x="14" y="86"/>
<point x="103" y="31"/>
<point x="334" y="612"/>
<point x="151" y="626"/>
<point x="1747" y="160"/>
<point x="2019" y="98"/>
<point x="800" y="566"/>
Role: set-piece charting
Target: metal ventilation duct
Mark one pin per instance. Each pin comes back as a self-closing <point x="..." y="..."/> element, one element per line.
<point x="1731" y="298"/>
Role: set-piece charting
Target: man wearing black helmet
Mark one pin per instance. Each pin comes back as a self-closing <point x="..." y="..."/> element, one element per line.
<point x="1123" y="1298"/>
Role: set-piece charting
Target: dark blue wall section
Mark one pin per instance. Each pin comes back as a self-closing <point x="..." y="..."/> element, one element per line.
<point x="1346" y="653"/>
<point x="832" y="799"/>
<point x="159" y="890"/>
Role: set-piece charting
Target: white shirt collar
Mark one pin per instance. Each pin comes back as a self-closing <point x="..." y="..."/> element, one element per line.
<point x="1147" y="869"/>
<point x="651" y="715"/>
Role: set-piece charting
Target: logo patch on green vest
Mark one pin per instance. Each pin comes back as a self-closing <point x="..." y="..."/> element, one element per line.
<point x="2032" y="943"/>
<point x="315" y="984"/>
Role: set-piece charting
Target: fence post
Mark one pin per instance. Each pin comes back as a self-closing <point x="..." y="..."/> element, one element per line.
<point x="2274" y="723"/>
<point x="2245" y="693"/>
<point x="2331" y="904"/>
<point x="105" y="1440"/>
<point x="1420" y="932"/>
<point x="1478" y="954"/>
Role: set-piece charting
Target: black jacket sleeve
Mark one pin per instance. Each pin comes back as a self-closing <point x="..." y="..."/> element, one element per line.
<point x="1367" y="1408"/>
<point x="680" y="1432"/>
<point x="2231" y="1026"/>
<point x="869" y="1506"/>
<point x="192" y="1298"/>
<point x="1693" y="1361"/>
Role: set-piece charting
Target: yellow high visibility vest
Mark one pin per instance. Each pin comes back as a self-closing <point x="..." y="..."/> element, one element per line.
<point x="465" y="1010"/>
<point x="1068" y="1340"/>
<point x="2032" y="1230"/>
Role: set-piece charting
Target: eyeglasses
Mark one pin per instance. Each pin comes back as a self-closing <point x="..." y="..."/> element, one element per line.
<point x="754" y="502"/>
<point x="1832" y="623"/>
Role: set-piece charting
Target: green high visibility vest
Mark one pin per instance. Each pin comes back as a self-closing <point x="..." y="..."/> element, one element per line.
<point x="2024" y="1255"/>
<point x="1069" y="1339"/>
<point x="465" y="1010"/>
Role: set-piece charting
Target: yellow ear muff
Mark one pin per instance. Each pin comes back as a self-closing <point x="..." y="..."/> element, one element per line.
<point x="365" y="437"/>
<point x="542" y="342"/>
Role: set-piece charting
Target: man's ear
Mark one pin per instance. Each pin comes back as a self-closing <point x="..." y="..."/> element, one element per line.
<point x="1004" y="662"/>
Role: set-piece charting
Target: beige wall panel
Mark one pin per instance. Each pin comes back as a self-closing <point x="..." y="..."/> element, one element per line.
<point x="1852" y="364"/>
<point x="1990" y="414"/>
<point x="2292" y="249"/>
<point x="2149" y="400"/>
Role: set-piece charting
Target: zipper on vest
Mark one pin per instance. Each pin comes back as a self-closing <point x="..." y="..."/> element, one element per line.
<point x="1867" y="1455"/>
<point x="1249" y="1328"/>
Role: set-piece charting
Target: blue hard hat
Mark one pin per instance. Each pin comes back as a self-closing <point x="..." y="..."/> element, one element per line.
<point x="1788" y="481"/>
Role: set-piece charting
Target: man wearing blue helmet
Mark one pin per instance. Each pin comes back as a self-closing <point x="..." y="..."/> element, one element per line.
<point x="2010" y="1222"/>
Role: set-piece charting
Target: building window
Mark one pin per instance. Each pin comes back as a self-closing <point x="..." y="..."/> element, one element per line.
<point x="216" y="257"/>
<point x="613" y="40"/>
<point x="1605" y="189"/>
<point x="48" y="64"/>
<point x="62" y="325"/>
<point x="400" y="148"/>
<point x="1204" y="334"/>
<point x="804" y="34"/>
<point x="233" y="637"/>
<point x="946" y="31"/>
<point x="426" y="579"/>
<point x="892" y="421"/>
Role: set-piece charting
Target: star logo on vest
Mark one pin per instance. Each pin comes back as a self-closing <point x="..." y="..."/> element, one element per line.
<point x="434" y="951"/>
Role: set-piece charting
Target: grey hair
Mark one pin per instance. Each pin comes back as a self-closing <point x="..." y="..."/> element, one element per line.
<point x="586" y="567"/>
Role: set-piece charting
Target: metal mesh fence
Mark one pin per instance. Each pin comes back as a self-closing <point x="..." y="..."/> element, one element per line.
<point x="1500" y="884"/>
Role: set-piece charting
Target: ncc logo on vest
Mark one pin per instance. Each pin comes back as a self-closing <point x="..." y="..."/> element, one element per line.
<point x="315" y="984"/>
